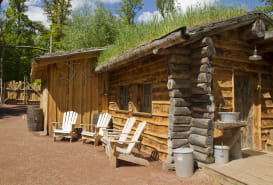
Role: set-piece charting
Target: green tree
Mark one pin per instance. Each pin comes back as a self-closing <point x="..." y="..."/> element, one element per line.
<point x="90" y="27"/>
<point x="128" y="10"/>
<point x="18" y="31"/>
<point x="57" y="12"/>
<point x="268" y="9"/>
<point x="104" y="26"/>
<point x="165" y="7"/>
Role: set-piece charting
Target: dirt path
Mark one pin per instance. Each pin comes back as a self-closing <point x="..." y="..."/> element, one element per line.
<point x="28" y="158"/>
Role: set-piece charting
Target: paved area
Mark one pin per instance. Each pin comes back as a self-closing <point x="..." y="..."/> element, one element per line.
<point x="256" y="169"/>
<point x="27" y="158"/>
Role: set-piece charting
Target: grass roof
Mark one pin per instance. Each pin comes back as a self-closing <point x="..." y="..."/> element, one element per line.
<point x="132" y="36"/>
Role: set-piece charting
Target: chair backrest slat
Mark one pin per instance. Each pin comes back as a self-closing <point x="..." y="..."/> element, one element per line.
<point x="103" y="122"/>
<point x="127" y="128"/>
<point x="136" y="136"/>
<point x="70" y="118"/>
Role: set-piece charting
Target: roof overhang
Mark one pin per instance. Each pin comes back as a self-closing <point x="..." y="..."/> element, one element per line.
<point x="182" y="35"/>
<point x="39" y="64"/>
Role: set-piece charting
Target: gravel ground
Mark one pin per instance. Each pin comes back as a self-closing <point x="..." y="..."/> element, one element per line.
<point x="29" y="158"/>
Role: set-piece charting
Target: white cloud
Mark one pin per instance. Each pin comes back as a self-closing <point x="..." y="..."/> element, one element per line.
<point x="148" y="16"/>
<point x="33" y="2"/>
<point x="183" y="5"/>
<point x="77" y="4"/>
<point x="36" y="13"/>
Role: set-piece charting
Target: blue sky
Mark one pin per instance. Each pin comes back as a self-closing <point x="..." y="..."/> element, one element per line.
<point x="35" y="12"/>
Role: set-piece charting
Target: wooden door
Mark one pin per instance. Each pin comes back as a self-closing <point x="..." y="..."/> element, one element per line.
<point x="243" y="104"/>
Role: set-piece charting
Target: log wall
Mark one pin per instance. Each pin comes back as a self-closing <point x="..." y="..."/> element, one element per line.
<point x="153" y="71"/>
<point x="73" y="85"/>
<point x="231" y="59"/>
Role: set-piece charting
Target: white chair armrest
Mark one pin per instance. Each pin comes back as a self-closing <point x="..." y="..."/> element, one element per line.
<point x="117" y="141"/>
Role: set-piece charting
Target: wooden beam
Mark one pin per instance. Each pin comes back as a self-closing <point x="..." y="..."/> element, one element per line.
<point x="255" y="31"/>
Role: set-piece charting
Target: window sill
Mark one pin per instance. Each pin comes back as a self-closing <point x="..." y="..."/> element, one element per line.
<point x="122" y="111"/>
<point x="144" y="114"/>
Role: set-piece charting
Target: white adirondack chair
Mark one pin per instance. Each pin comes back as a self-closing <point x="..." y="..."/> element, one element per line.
<point x="123" y="150"/>
<point x="121" y="135"/>
<point x="95" y="136"/>
<point x="66" y="127"/>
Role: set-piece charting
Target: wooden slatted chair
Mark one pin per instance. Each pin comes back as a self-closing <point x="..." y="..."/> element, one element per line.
<point x="66" y="127"/>
<point x="95" y="136"/>
<point x="121" y="135"/>
<point x="123" y="150"/>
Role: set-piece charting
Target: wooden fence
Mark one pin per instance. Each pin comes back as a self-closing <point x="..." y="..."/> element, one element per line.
<point x="21" y="93"/>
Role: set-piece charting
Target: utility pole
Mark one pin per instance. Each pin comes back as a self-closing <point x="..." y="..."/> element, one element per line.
<point x="1" y="67"/>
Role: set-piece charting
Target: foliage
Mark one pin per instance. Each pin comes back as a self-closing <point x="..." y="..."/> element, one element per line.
<point x="268" y="9"/>
<point x="57" y="12"/>
<point x="19" y="30"/>
<point x="90" y="27"/>
<point x="128" y="10"/>
<point x="131" y="36"/>
<point x="165" y="7"/>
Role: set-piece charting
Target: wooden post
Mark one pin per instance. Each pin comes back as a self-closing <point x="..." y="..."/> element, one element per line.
<point x="203" y="108"/>
<point x="179" y="85"/>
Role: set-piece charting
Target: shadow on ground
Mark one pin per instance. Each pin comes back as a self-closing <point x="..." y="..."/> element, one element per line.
<point x="12" y="110"/>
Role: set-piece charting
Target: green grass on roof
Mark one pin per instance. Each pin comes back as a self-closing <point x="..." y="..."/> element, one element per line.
<point x="130" y="37"/>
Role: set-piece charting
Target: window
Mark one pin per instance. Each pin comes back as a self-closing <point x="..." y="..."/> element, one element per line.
<point x="123" y="97"/>
<point x="146" y="98"/>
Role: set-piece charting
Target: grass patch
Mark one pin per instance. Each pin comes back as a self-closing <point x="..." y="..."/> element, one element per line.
<point x="130" y="37"/>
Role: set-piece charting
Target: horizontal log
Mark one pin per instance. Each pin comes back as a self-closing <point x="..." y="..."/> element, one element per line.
<point x="178" y="135"/>
<point x="202" y="123"/>
<point x="178" y="83"/>
<point x="201" y="78"/>
<point x="185" y="111"/>
<point x="180" y="93"/>
<point x="179" y="59"/>
<point x="179" y="119"/>
<point x="255" y="31"/>
<point x="184" y="75"/>
<point x="204" y="60"/>
<point x="176" y="143"/>
<point x="203" y="68"/>
<point x="206" y="51"/>
<point x="202" y="157"/>
<point x="171" y="51"/>
<point x="180" y="102"/>
<point x="203" y="150"/>
<point x="179" y="127"/>
<point x="201" y="131"/>
<point x="199" y="140"/>
<point x="201" y="88"/>
<point x="203" y="98"/>
<point x="205" y="115"/>
<point x="178" y="67"/>
<point x="203" y="107"/>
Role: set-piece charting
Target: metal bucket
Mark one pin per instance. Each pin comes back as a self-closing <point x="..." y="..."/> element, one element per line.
<point x="229" y="117"/>
<point x="183" y="159"/>
<point x="35" y="118"/>
<point x="221" y="154"/>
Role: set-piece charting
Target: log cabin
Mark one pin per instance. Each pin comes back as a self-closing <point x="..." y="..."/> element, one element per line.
<point x="69" y="83"/>
<point x="178" y="83"/>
